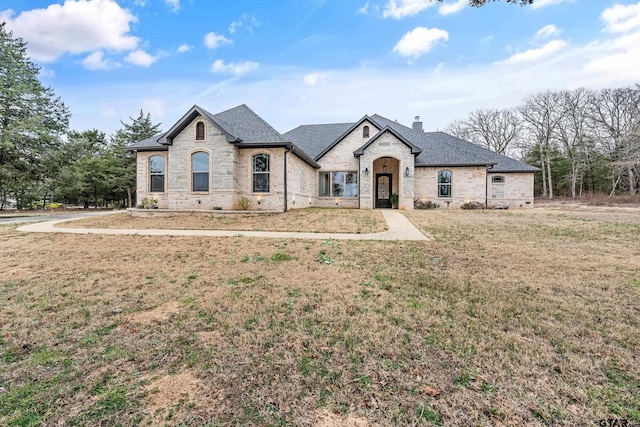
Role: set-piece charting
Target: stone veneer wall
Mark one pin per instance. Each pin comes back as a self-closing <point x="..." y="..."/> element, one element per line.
<point x="468" y="185"/>
<point x="387" y="146"/>
<point x="339" y="159"/>
<point x="518" y="191"/>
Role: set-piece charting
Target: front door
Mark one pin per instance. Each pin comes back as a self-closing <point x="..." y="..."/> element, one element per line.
<point x="383" y="190"/>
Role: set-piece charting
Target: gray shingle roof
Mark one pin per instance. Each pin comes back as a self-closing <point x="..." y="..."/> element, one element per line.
<point x="245" y="124"/>
<point x="314" y="139"/>
<point x="149" y="144"/>
<point x="442" y="149"/>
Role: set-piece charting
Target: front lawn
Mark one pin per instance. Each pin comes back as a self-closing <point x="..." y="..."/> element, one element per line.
<point x="502" y="318"/>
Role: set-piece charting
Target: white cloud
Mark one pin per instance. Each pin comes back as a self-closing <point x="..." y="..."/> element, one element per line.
<point x="141" y="3"/>
<point x="46" y="73"/>
<point x="237" y="69"/>
<point x="451" y="8"/>
<point x="214" y="41"/>
<point x="141" y="58"/>
<point x="173" y="4"/>
<point x="419" y="41"/>
<point x="536" y="54"/>
<point x="96" y="61"/>
<point x="184" y="48"/>
<point x="621" y="19"/>
<point x="364" y="8"/>
<point x="548" y="31"/>
<point x="399" y="9"/>
<point x="313" y="79"/>
<point x="537" y="4"/>
<point x="246" y="21"/>
<point x="74" y="27"/>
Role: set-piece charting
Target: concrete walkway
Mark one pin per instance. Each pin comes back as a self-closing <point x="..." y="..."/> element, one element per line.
<point x="400" y="228"/>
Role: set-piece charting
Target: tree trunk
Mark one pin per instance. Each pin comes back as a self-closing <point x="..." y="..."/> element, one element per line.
<point x="544" y="175"/>
<point x="549" y="176"/>
<point x="632" y="180"/>
<point x="129" y="197"/>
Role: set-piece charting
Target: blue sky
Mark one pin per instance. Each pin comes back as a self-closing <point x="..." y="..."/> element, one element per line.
<point x="317" y="61"/>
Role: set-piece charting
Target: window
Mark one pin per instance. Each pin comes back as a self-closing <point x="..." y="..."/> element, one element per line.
<point x="200" y="171"/>
<point x="156" y="174"/>
<point x="338" y="184"/>
<point x="261" y="173"/>
<point x="444" y="184"/>
<point x="497" y="187"/>
<point x="200" y="131"/>
<point x="365" y="132"/>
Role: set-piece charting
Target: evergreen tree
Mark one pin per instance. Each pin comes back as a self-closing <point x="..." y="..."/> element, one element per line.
<point x="142" y="127"/>
<point x="32" y="119"/>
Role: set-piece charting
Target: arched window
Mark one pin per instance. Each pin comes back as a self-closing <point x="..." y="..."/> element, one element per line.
<point x="445" y="178"/>
<point x="365" y="132"/>
<point x="497" y="187"/>
<point x="200" y="131"/>
<point x="200" y="171"/>
<point x="156" y="174"/>
<point x="261" y="173"/>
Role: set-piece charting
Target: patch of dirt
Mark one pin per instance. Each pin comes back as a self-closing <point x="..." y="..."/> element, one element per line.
<point x="327" y="419"/>
<point x="157" y="315"/>
<point x="170" y="390"/>
<point x="15" y="273"/>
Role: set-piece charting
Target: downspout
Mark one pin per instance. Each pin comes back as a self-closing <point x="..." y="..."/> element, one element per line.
<point x="359" y="179"/>
<point x="486" y="187"/>
<point x="289" y="149"/>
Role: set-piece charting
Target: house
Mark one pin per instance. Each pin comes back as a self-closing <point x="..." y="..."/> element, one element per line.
<point x="211" y="161"/>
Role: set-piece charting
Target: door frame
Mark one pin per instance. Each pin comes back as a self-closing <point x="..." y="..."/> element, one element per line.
<point x="378" y="176"/>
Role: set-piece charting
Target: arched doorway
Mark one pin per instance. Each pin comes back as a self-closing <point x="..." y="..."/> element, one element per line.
<point x="385" y="181"/>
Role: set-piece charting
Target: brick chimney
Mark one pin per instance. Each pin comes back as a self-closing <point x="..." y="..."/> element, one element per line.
<point x="417" y="125"/>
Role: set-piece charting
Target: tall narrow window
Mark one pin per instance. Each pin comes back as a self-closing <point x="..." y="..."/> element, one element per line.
<point x="156" y="174"/>
<point x="497" y="187"/>
<point x="261" y="173"/>
<point x="200" y="171"/>
<point x="365" y="132"/>
<point x="444" y="183"/>
<point x="200" y="131"/>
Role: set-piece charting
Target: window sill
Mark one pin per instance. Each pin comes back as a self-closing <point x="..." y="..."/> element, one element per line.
<point x="337" y="197"/>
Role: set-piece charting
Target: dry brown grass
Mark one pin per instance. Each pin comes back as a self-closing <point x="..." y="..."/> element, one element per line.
<point x="503" y="318"/>
<point x="303" y="220"/>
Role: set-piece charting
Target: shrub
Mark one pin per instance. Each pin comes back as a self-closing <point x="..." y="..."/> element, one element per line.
<point x="54" y="205"/>
<point x="149" y="203"/>
<point x="472" y="205"/>
<point x="425" y="204"/>
<point x="244" y="203"/>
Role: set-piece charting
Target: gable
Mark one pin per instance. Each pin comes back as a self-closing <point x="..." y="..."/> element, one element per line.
<point x="352" y="136"/>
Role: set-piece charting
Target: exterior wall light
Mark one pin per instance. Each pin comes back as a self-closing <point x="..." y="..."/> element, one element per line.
<point x="366" y="171"/>
<point x="406" y="171"/>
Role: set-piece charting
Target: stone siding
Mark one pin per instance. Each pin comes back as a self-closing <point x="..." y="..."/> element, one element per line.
<point x="518" y="190"/>
<point x="387" y="146"/>
<point x="468" y="185"/>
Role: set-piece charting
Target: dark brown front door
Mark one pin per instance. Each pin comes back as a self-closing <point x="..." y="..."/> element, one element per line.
<point x="383" y="190"/>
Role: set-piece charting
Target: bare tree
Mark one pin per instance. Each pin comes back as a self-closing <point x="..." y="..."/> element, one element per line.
<point x="574" y="132"/>
<point x="542" y="114"/>
<point x="495" y="130"/>
<point x="617" y="114"/>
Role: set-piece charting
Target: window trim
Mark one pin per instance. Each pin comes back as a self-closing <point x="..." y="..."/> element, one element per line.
<point x="344" y="184"/>
<point x="254" y="173"/>
<point x="200" y="123"/>
<point x="192" y="172"/>
<point x="448" y="184"/>
<point x="501" y="185"/>
<point x="163" y="174"/>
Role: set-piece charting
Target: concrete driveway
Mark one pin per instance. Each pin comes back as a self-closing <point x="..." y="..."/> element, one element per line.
<point x="22" y="218"/>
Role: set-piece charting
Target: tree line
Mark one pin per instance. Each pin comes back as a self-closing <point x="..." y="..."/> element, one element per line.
<point x="41" y="159"/>
<point x="584" y="141"/>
